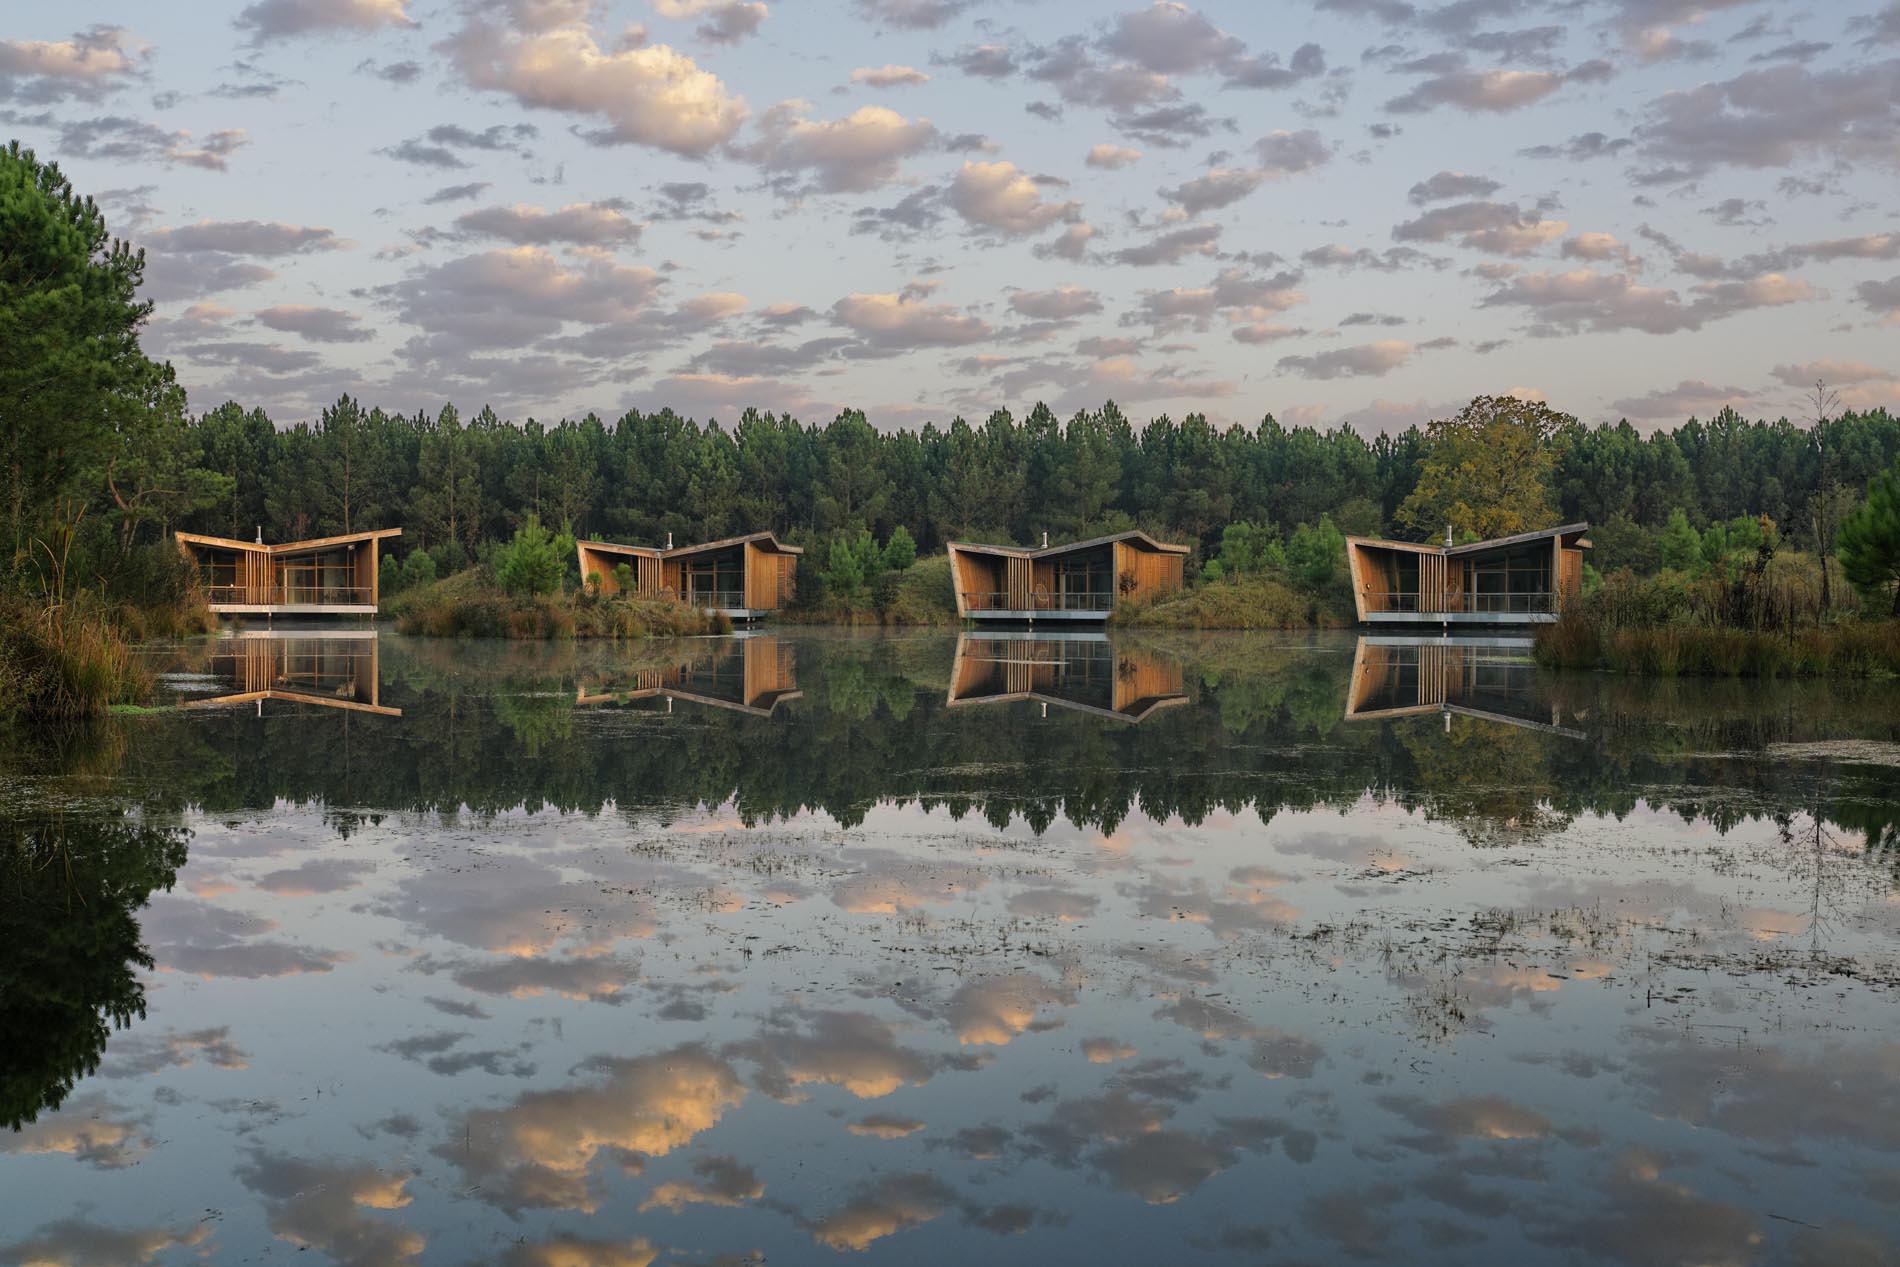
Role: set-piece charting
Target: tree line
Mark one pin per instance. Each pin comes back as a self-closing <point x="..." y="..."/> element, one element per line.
<point x="452" y="483"/>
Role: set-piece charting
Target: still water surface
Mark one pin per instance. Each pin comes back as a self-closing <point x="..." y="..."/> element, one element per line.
<point x="924" y="950"/>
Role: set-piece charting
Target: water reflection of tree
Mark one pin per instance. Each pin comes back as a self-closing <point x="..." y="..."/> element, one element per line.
<point x="1495" y="781"/>
<point x="1264" y="733"/>
<point x="69" y="945"/>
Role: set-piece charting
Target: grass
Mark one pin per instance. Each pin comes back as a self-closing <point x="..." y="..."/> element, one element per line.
<point x="469" y="605"/>
<point x="71" y="661"/>
<point x="1250" y="602"/>
<point x="1847" y="649"/>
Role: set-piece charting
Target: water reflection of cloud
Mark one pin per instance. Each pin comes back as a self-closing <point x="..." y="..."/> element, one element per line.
<point x="720" y="1181"/>
<point x="317" y="876"/>
<point x="134" y="1055"/>
<point x="888" y="883"/>
<point x="326" y="1205"/>
<point x="993" y="1011"/>
<point x="600" y="979"/>
<point x="1062" y="905"/>
<point x="1767" y="1094"/>
<point x="852" y="1050"/>
<point x="575" y="1251"/>
<point x="514" y="906"/>
<point x="80" y="1243"/>
<point x="884" y="1126"/>
<point x="539" y="1150"/>
<point x="1106" y="1051"/>
<point x="90" y="1128"/>
<point x="884" y="1207"/>
<point x="212" y="941"/>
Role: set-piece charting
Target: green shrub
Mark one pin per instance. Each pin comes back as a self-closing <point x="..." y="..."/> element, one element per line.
<point x="532" y="562"/>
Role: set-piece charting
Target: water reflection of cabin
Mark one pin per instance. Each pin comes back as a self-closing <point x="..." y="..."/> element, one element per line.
<point x="749" y="675"/>
<point x="1086" y="673"/>
<point x="326" y="576"/>
<point x="1410" y="677"/>
<point x="744" y="577"/>
<point x="1082" y="581"/>
<point x="1524" y="579"/>
<point x="339" y="669"/>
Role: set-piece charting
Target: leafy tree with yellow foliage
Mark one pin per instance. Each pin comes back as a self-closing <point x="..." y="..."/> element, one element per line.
<point x="1487" y="472"/>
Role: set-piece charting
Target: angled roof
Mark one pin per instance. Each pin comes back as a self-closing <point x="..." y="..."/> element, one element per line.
<point x="765" y="540"/>
<point x="1475" y="547"/>
<point x="1043" y="552"/>
<point x="284" y="547"/>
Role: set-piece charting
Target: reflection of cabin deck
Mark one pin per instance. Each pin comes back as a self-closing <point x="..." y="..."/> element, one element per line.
<point x="748" y="675"/>
<point x="1082" y="581"/>
<point x="1086" y="673"/>
<point x="743" y="577"/>
<point x="1493" y="679"/>
<point x="326" y="576"/>
<point x="336" y="670"/>
<point x="1521" y="580"/>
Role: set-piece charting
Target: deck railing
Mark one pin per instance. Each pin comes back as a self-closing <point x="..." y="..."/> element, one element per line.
<point x="997" y="600"/>
<point x="292" y="595"/>
<point x="1520" y="603"/>
<point x="720" y="600"/>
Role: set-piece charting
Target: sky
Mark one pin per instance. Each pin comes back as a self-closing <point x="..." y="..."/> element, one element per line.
<point x="1343" y="211"/>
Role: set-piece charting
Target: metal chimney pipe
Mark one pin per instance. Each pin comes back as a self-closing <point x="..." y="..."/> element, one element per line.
<point x="669" y="541"/>
<point x="1045" y="538"/>
<point x="260" y="534"/>
<point x="1448" y="536"/>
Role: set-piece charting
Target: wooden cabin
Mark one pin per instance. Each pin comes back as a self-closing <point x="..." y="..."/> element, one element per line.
<point x="337" y="669"/>
<point x="1083" y="581"/>
<point x="1489" y="679"/>
<point x="744" y="577"/>
<point x="1084" y="672"/>
<point x="752" y="675"/>
<point x="327" y="576"/>
<point x="1524" y="579"/>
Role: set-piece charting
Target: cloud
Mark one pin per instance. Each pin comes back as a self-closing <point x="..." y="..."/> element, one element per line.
<point x="456" y="193"/>
<point x="580" y="1251"/>
<point x="1171" y="247"/>
<point x="722" y="1181"/>
<point x="1111" y="157"/>
<point x="903" y="321"/>
<point x="1173" y="125"/>
<point x="850" y="155"/>
<point x="984" y="61"/>
<point x="1070" y="244"/>
<point x="1582" y="147"/>
<point x="1493" y="227"/>
<point x="1171" y="38"/>
<point x="1690" y="396"/>
<point x="889" y="75"/>
<point x="913" y="15"/>
<point x="437" y="147"/>
<point x="644" y="94"/>
<point x="1391" y="260"/>
<point x="1446" y="186"/>
<point x="319" y="325"/>
<point x="1368" y="360"/>
<point x="286" y="19"/>
<point x="1216" y="188"/>
<point x="141" y="1055"/>
<point x="1835" y="373"/>
<point x="1882" y="297"/>
<point x="265" y="238"/>
<point x="1582" y="299"/>
<point x="94" y="62"/>
<point x="1779" y="116"/>
<point x="121" y="139"/>
<point x="1493" y="91"/>
<point x="580" y="224"/>
<point x="727" y="21"/>
<point x="998" y="197"/>
<point x="1598" y="247"/>
<point x="1062" y="304"/>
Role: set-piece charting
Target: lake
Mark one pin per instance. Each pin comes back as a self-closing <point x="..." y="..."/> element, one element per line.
<point x="925" y="949"/>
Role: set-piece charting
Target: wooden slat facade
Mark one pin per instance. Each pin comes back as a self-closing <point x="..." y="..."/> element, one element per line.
<point x="767" y="570"/>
